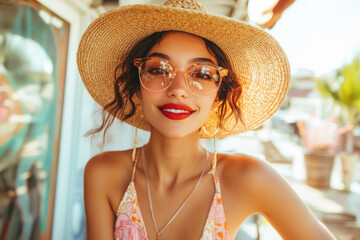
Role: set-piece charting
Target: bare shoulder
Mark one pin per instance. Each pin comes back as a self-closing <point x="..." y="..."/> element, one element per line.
<point x="246" y="175"/>
<point x="105" y="178"/>
<point x="243" y="169"/>
<point x="237" y="175"/>
<point x="109" y="164"/>
<point x="251" y="185"/>
<point x="248" y="180"/>
<point x="108" y="173"/>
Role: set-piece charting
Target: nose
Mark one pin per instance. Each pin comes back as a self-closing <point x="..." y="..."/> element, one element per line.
<point x="178" y="88"/>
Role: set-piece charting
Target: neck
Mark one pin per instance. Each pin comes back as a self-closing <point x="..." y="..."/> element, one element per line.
<point x="173" y="160"/>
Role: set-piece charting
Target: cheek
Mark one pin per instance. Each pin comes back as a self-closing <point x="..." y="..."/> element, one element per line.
<point x="148" y="100"/>
<point x="208" y="105"/>
<point x="145" y="94"/>
<point x="214" y="100"/>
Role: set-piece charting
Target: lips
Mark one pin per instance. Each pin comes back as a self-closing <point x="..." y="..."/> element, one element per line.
<point x="176" y="111"/>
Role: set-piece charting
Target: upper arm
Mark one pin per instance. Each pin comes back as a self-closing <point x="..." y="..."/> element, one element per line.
<point x="278" y="202"/>
<point x="100" y="218"/>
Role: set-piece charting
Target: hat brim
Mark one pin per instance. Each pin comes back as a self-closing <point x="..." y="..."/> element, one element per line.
<point x="257" y="59"/>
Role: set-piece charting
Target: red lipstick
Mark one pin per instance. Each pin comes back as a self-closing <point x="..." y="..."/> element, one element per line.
<point x="176" y="111"/>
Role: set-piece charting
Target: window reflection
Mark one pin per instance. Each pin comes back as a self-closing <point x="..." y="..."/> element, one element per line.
<point x="30" y="105"/>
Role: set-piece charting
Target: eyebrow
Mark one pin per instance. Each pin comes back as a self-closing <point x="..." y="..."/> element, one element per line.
<point x="194" y="60"/>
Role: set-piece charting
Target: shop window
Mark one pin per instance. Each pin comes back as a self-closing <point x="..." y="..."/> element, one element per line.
<point x="33" y="53"/>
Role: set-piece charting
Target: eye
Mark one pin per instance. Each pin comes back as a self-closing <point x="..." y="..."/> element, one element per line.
<point x="200" y="75"/>
<point x="202" y="72"/>
<point x="157" y="71"/>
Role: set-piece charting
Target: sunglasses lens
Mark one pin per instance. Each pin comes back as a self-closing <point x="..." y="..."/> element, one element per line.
<point x="155" y="74"/>
<point x="204" y="80"/>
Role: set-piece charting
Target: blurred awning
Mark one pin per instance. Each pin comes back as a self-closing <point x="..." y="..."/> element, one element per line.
<point x="270" y="12"/>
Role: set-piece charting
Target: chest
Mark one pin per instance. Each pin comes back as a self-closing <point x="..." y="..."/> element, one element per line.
<point x="175" y="220"/>
<point x="201" y="217"/>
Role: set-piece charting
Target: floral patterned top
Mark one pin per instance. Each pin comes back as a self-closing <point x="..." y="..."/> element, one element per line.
<point x="129" y="224"/>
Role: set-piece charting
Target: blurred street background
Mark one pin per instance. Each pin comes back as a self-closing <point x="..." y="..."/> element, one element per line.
<point x="45" y="112"/>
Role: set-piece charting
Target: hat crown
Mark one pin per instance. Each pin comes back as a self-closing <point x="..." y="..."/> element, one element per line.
<point x="186" y="4"/>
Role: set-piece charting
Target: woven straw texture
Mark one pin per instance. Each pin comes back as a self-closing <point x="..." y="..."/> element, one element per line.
<point x="260" y="64"/>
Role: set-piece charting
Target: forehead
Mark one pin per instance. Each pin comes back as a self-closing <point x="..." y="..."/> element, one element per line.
<point x="182" y="47"/>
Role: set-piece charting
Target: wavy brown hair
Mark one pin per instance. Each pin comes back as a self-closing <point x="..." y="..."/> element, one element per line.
<point x="127" y="84"/>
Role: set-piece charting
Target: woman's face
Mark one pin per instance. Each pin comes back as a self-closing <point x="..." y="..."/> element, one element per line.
<point x="176" y="111"/>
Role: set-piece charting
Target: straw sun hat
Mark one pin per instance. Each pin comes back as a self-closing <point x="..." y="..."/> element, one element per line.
<point x="258" y="61"/>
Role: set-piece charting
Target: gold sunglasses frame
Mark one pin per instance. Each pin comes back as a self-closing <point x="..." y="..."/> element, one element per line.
<point x="222" y="71"/>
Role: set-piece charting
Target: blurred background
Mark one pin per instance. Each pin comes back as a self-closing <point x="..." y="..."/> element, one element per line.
<point x="313" y="140"/>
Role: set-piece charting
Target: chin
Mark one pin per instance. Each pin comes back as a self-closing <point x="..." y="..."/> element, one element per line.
<point x="176" y="133"/>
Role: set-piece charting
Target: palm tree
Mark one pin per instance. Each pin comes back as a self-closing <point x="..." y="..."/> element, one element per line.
<point x="344" y="91"/>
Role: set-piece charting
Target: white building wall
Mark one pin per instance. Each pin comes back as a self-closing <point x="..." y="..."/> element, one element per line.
<point x="78" y="117"/>
<point x="69" y="221"/>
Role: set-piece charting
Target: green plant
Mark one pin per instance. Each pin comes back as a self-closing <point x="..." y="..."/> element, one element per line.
<point x="344" y="91"/>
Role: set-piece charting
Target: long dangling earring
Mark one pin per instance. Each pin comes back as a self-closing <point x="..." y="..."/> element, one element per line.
<point x="208" y="134"/>
<point x="135" y="144"/>
<point x="214" y="160"/>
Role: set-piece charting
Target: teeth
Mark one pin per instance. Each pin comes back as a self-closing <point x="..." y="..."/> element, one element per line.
<point x="176" y="111"/>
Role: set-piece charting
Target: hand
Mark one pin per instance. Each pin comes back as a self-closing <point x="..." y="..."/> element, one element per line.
<point x="274" y="13"/>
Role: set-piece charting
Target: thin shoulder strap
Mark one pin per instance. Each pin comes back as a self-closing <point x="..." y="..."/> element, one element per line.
<point x="134" y="165"/>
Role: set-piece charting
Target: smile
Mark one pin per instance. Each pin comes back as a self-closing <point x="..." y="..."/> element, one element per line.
<point x="176" y="111"/>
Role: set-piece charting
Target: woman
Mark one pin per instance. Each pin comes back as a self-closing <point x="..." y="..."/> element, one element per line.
<point x="183" y="74"/>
